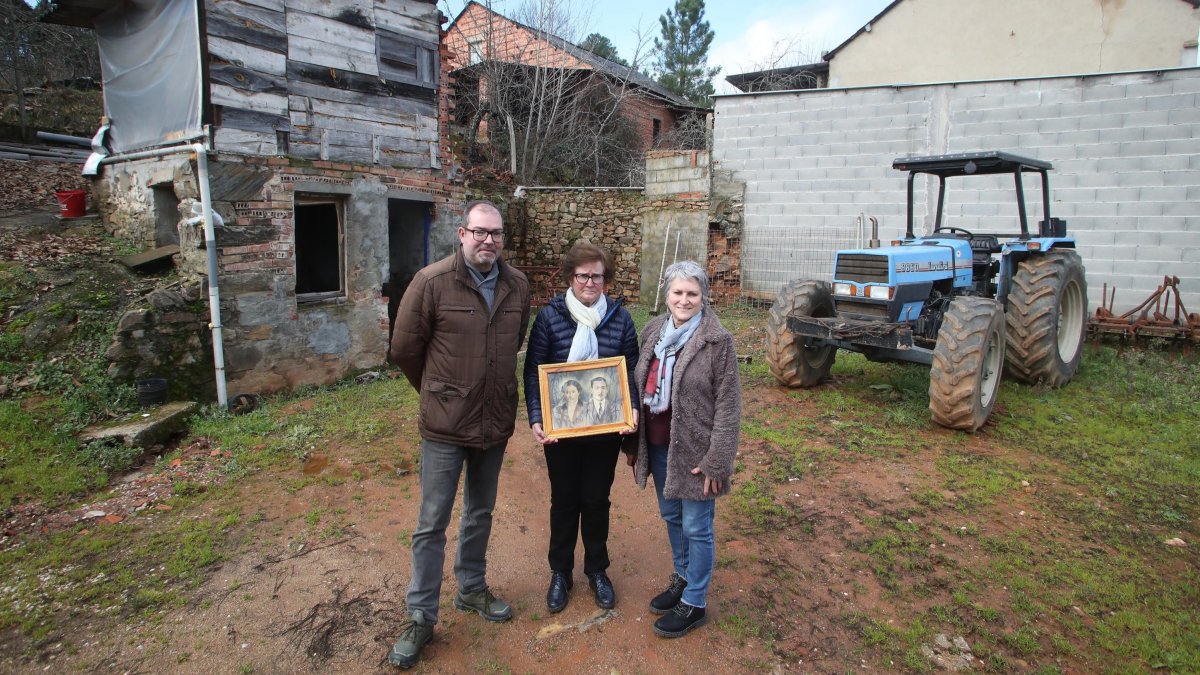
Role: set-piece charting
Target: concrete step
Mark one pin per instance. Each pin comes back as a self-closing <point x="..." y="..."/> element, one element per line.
<point x="146" y="428"/>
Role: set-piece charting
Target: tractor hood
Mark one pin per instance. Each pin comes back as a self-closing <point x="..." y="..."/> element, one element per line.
<point x="924" y="260"/>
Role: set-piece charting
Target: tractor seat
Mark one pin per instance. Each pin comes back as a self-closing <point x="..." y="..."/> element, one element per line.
<point x="982" y="248"/>
<point x="985" y="244"/>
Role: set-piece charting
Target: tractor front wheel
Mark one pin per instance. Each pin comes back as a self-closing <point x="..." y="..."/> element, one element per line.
<point x="967" y="362"/>
<point x="794" y="360"/>
<point x="1047" y="317"/>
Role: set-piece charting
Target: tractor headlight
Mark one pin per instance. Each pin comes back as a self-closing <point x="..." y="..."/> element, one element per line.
<point x="843" y="289"/>
<point x="879" y="292"/>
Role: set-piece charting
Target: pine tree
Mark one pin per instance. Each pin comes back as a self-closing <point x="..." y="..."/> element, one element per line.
<point x="683" y="52"/>
<point x="602" y="46"/>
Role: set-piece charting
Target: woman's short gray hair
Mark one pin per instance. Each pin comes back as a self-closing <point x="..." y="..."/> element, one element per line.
<point x="687" y="269"/>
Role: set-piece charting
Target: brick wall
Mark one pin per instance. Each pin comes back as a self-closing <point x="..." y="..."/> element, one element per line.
<point x="1125" y="147"/>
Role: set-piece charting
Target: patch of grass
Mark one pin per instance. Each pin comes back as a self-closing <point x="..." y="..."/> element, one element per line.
<point x="901" y="643"/>
<point x="39" y="460"/>
<point x="898" y="547"/>
<point x="132" y="569"/>
<point x="491" y="666"/>
<point x="977" y="480"/>
<point x="742" y="627"/>
<point x="754" y="502"/>
<point x="280" y="430"/>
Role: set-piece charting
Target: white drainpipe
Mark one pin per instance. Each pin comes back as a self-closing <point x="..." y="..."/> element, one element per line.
<point x="210" y="244"/>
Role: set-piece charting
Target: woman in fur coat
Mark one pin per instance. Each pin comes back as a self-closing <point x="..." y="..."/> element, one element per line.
<point x="692" y="406"/>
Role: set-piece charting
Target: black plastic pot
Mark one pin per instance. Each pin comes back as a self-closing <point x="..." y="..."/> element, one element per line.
<point x="152" y="391"/>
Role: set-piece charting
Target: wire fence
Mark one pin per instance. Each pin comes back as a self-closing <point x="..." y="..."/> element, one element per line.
<point x="754" y="268"/>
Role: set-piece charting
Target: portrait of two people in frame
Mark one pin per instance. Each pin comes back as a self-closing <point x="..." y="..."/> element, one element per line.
<point x="586" y="397"/>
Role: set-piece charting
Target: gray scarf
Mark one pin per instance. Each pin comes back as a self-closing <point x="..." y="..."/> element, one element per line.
<point x="670" y="341"/>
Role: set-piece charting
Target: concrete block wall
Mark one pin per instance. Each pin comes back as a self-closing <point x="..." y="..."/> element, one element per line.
<point x="670" y="172"/>
<point x="1125" y="148"/>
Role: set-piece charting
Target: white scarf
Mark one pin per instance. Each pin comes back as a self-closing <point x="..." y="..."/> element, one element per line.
<point x="670" y="342"/>
<point x="584" y="346"/>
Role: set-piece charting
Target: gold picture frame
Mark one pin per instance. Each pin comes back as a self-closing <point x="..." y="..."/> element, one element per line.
<point x="585" y="398"/>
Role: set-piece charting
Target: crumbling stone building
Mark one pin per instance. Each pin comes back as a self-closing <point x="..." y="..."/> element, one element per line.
<point x="323" y="150"/>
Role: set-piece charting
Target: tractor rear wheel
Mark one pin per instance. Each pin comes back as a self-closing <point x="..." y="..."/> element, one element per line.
<point x="1047" y="317"/>
<point x="794" y="360"/>
<point x="967" y="362"/>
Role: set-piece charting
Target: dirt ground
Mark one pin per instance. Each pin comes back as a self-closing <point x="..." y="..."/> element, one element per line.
<point x="287" y="601"/>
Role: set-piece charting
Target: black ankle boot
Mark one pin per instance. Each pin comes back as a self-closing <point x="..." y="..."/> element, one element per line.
<point x="556" y="596"/>
<point x="666" y="601"/>
<point x="679" y="621"/>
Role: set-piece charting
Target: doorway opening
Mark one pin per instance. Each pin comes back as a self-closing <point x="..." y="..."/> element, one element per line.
<point x="408" y="239"/>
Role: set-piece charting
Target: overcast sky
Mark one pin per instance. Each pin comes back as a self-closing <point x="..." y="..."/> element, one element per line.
<point x="747" y="32"/>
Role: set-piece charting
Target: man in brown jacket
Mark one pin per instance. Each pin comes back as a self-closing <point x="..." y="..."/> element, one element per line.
<point x="457" y="333"/>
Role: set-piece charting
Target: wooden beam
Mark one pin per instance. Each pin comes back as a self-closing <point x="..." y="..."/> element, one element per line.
<point x="243" y="55"/>
<point x="246" y="79"/>
<point x="345" y="79"/>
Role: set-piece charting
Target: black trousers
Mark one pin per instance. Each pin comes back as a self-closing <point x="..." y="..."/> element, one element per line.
<point x="581" y="476"/>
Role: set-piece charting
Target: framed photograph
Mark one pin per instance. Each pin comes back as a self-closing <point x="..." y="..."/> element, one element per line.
<point x="585" y="397"/>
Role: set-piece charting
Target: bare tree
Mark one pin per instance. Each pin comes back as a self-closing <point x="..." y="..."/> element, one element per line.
<point x="35" y="54"/>
<point x="789" y="65"/>
<point x="535" y="103"/>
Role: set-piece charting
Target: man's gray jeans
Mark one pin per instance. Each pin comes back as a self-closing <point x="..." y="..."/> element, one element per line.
<point x="441" y="466"/>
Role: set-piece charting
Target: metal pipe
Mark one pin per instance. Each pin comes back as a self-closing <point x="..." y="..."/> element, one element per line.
<point x="526" y="188"/>
<point x="63" y="138"/>
<point x="210" y="244"/>
<point x="908" y="233"/>
<point x="214" y="292"/>
<point x="1017" y="176"/>
<point x="662" y="265"/>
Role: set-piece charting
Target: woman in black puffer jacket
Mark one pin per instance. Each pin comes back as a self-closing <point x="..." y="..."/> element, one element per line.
<point x="580" y="325"/>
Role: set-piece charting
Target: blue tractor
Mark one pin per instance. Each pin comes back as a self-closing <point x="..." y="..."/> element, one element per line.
<point x="966" y="303"/>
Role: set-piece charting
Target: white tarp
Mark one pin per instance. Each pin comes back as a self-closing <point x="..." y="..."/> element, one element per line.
<point x="150" y="60"/>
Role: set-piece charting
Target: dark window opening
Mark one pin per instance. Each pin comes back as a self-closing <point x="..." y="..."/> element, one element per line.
<point x="319" y="236"/>
<point x="166" y="214"/>
<point x="657" y="132"/>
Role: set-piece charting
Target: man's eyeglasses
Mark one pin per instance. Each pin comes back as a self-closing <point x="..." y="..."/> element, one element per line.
<point x="583" y="279"/>
<point x="482" y="235"/>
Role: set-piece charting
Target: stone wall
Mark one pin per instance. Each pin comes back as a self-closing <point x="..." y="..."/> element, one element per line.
<point x="547" y="222"/>
<point x="166" y="335"/>
<point x="673" y="218"/>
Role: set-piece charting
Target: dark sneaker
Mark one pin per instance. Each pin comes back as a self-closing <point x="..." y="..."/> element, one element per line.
<point x="679" y="621"/>
<point x="606" y="597"/>
<point x="487" y="605"/>
<point x="556" y="596"/>
<point x="666" y="601"/>
<point x="416" y="634"/>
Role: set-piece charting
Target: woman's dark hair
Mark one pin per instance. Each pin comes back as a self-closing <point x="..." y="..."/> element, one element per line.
<point x="571" y="383"/>
<point x="582" y="253"/>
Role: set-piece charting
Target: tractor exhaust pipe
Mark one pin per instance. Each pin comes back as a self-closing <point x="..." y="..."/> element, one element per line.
<point x="874" y="242"/>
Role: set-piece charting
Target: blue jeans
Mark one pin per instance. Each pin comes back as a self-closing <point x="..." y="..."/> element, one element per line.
<point x="441" y="467"/>
<point x="690" y="529"/>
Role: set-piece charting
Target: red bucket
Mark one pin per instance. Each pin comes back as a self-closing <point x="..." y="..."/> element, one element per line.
<point x="74" y="202"/>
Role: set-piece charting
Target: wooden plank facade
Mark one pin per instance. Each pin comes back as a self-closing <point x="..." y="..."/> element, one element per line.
<point x="351" y="81"/>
